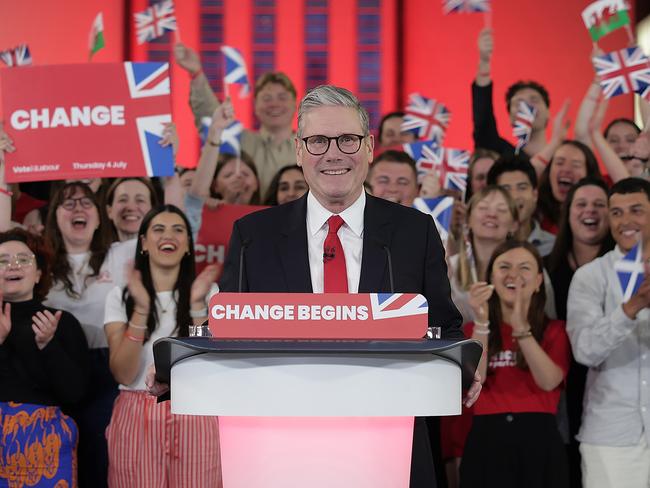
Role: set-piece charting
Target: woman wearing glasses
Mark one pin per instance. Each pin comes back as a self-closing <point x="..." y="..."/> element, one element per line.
<point x="43" y="365"/>
<point x="84" y="269"/>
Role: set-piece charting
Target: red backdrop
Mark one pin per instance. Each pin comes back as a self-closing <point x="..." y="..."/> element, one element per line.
<point x="438" y="54"/>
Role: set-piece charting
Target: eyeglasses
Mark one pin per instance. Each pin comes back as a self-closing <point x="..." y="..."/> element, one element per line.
<point x="630" y="158"/>
<point x="20" y="260"/>
<point x="347" y="143"/>
<point x="71" y="203"/>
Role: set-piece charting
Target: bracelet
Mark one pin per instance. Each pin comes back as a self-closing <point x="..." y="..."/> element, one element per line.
<point x="484" y="73"/>
<point x="138" y="327"/>
<point x="214" y="144"/>
<point x="543" y="161"/>
<point x="195" y="314"/>
<point x="522" y="335"/>
<point x="479" y="331"/>
<point x="482" y="324"/>
<point x="196" y="73"/>
<point x="144" y="314"/>
<point x="6" y="192"/>
<point x="133" y="338"/>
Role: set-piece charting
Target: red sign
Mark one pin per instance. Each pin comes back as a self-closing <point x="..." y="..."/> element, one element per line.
<point x="318" y="316"/>
<point x="212" y="241"/>
<point x="87" y="120"/>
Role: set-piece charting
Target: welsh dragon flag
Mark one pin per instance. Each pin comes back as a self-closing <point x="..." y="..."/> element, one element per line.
<point x="96" y="36"/>
<point x="605" y="16"/>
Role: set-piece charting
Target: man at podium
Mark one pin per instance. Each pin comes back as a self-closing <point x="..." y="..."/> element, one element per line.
<point x="338" y="239"/>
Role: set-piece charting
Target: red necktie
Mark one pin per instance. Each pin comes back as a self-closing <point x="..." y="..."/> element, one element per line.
<point x="336" y="276"/>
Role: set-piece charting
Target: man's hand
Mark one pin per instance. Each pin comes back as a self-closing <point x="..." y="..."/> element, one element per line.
<point x="474" y="391"/>
<point x="485" y="45"/>
<point x="187" y="58"/>
<point x="641" y="299"/>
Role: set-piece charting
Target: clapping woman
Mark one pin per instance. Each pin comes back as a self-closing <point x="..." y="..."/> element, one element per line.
<point x="514" y="440"/>
<point x="149" y="446"/>
<point x="43" y="366"/>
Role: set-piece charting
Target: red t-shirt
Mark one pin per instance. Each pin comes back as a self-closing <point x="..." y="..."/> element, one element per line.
<point x="510" y="389"/>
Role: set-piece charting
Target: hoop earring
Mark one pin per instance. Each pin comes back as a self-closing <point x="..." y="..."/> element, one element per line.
<point x="144" y="252"/>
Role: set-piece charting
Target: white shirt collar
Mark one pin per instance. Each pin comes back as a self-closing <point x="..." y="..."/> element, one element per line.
<point x="317" y="215"/>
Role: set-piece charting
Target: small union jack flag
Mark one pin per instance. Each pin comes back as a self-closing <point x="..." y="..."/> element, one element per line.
<point x="425" y="154"/>
<point x="428" y="116"/>
<point x="465" y="6"/>
<point x="451" y="164"/>
<point x="630" y="271"/>
<point x="18" y="56"/>
<point x="523" y="124"/>
<point x="391" y="305"/>
<point x="440" y="209"/>
<point x="623" y="71"/>
<point x="230" y="136"/>
<point x="155" y="21"/>
<point x="236" y="72"/>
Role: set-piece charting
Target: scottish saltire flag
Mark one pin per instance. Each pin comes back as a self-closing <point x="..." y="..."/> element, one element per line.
<point x="623" y="71"/>
<point x="605" y="16"/>
<point x="235" y="71"/>
<point x="426" y="155"/>
<point x="522" y="127"/>
<point x="155" y="21"/>
<point x="630" y="271"/>
<point x="465" y="6"/>
<point x="18" y="56"/>
<point x="440" y="209"/>
<point x="390" y="305"/>
<point x="230" y="137"/>
<point x="428" y="116"/>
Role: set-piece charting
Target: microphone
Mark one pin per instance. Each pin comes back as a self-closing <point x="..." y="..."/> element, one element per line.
<point x="390" y="267"/>
<point x="244" y="245"/>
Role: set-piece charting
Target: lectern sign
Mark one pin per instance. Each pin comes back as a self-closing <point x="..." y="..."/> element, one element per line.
<point x="318" y="316"/>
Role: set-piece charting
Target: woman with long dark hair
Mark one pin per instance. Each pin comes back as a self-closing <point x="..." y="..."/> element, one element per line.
<point x="161" y="299"/>
<point x="43" y="366"/>
<point x="85" y="267"/>
<point x="514" y="440"/>
<point x="287" y="185"/>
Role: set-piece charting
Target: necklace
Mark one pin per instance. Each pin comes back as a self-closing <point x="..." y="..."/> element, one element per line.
<point x="163" y="309"/>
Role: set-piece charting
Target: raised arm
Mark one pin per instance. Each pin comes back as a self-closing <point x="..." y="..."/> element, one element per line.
<point x="202" y="100"/>
<point x="6" y="145"/>
<point x="612" y="162"/>
<point x="586" y="112"/>
<point x="485" y="49"/>
<point x="174" y="194"/>
<point x="560" y="127"/>
<point x="222" y="117"/>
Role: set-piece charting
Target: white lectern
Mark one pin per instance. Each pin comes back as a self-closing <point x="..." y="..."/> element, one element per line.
<point x="316" y="413"/>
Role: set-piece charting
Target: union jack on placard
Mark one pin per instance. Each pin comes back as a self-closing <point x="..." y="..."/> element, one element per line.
<point x="147" y="79"/>
<point x="390" y="305"/>
<point x="158" y="160"/>
<point x="18" y="56"/>
<point x="428" y="116"/>
<point x="630" y="271"/>
<point x="235" y="72"/>
<point x="440" y="209"/>
<point x="155" y="21"/>
<point x="468" y="6"/>
<point x="623" y="71"/>
<point x="522" y="127"/>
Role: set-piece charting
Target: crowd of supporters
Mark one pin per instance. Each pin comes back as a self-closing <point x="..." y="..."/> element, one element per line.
<point x="93" y="272"/>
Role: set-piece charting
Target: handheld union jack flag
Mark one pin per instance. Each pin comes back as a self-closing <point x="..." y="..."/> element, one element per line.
<point x="390" y="305"/>
<point x="465" y="6"/>
<point x="440" y="209"/>
<point x="230" y="136"/>
<point x="630" y="271"/>
<point x="155" y="21"/>
<point x="451" y="164"/>
<point x="428" y="116"/>
<point x="18" y="56"/>
<point x="522" y="127"/>
<point x="623" y="71"/>
<point x="236" y="72"/>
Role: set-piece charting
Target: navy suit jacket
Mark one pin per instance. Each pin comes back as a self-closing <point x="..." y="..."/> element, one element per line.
<point x="275" y="256"/>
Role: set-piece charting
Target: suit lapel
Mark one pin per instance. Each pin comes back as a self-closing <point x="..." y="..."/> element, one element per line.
<point x="293" y="249"/>
<point x="377" y="234"/>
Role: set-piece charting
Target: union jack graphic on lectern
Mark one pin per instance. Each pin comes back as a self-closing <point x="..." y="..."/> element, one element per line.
<point x="390" y="305"/>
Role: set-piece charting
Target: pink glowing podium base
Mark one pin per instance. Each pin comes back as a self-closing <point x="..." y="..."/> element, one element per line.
<point x="317" y="414"/>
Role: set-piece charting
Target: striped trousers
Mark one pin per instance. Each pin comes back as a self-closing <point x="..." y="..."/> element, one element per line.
<point x="150" y="447"/>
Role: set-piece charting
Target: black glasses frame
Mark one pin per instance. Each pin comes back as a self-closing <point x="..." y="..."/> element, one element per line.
<point x="329" y="142"/>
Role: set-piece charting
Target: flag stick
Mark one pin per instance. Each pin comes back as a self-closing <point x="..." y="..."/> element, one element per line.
<point x="487" y="17"/>
<point x="177" y="35"/>
<point x="630" y="35"/>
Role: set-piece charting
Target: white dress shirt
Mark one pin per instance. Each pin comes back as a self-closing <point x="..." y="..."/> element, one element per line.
<point x="350" y="234"/>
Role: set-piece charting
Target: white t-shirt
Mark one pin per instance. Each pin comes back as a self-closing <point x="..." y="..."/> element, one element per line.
<point x="89" y="307"/>
<point x="115" y="311"/>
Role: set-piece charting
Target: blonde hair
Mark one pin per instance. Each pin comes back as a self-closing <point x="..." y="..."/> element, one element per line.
<point x="466" y="271"/>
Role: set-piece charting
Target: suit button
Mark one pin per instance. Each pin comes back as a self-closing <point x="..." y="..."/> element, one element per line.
<point x="509" y="418"/>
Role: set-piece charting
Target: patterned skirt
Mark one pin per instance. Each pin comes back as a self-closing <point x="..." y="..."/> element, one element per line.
<point x="38" y="447"/>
